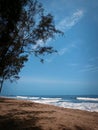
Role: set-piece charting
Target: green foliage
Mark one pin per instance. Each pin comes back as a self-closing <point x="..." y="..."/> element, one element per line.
<point x="23" y="23"/>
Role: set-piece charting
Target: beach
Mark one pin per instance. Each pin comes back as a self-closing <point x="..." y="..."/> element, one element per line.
<point x="26" y="115"/>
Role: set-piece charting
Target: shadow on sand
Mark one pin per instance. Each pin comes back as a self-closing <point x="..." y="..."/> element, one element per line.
<point x="18" y="122"/>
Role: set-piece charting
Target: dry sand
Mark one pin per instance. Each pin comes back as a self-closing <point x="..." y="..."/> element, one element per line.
<point x="25" y="115"/>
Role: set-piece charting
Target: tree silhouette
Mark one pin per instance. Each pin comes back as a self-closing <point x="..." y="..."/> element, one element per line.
<point x="23" y="24"/>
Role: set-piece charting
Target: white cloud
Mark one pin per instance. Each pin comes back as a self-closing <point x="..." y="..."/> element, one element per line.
<point x="70" y="21"/>
<point x="89" y="68"/>
<point x="67" y="49"/>
<point x="44" y="80"/>
<point x="63" y="51"/>
<point x="39" y="43"/>
<point x="60" y="53"/>
<point x="64" y="25"/>
<point x="49" y="60"/>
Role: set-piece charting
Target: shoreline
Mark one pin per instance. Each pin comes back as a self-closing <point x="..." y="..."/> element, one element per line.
<point x="26" y="115"/>
<point x="84" y="106"/>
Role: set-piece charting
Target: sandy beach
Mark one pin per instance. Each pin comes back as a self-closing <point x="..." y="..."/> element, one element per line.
<point x="26" y="115"/>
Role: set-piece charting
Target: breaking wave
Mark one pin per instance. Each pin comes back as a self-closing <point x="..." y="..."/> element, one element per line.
<point x="87" y="99"/>
<point x="82" y="103"/>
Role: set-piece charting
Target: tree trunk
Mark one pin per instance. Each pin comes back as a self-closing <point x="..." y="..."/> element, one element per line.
<point x="1" y="85"/>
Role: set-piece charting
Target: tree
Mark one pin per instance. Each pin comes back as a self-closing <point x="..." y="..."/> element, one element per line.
<point x="23" y="23"/>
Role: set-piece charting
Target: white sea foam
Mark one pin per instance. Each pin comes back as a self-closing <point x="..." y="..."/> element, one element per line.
<point x="51" y="98"/>
<point x="87" y="99"/>
<point x="82" y="106"/>
<point x="47" y="100"/>
<point x="28" y="98"/>
<point x="33" y="98"/>
<point x="88" y="106"/>
<point x="21" y="97"/>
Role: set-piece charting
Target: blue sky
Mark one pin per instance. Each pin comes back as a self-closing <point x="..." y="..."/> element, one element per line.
<point x="74" y="70"/>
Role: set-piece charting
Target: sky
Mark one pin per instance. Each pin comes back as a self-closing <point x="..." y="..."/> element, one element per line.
<point x="74" y="69"/>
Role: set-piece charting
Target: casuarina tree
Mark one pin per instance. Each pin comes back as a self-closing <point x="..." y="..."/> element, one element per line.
<point x="23" y="24"/>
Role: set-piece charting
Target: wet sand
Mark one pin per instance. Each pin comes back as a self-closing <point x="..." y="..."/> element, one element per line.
<point x="26" y="115"/>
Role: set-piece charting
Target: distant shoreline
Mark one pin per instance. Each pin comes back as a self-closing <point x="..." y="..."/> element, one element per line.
<point x="26" y="115"/>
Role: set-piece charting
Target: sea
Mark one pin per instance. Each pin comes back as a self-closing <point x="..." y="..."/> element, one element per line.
<point x="81" y="102"/>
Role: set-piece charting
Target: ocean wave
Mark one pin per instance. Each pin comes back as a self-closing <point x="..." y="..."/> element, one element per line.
<point x="51" y="98"/>
<point x="45" y="101"/>
<point x="82" y="106"/>
<point x="33" y="98"/>
<point x="28" y="98"/>
<point x="87" y="99"/>
<point x="88" y="106"/>
<point x="21" y="97"/>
